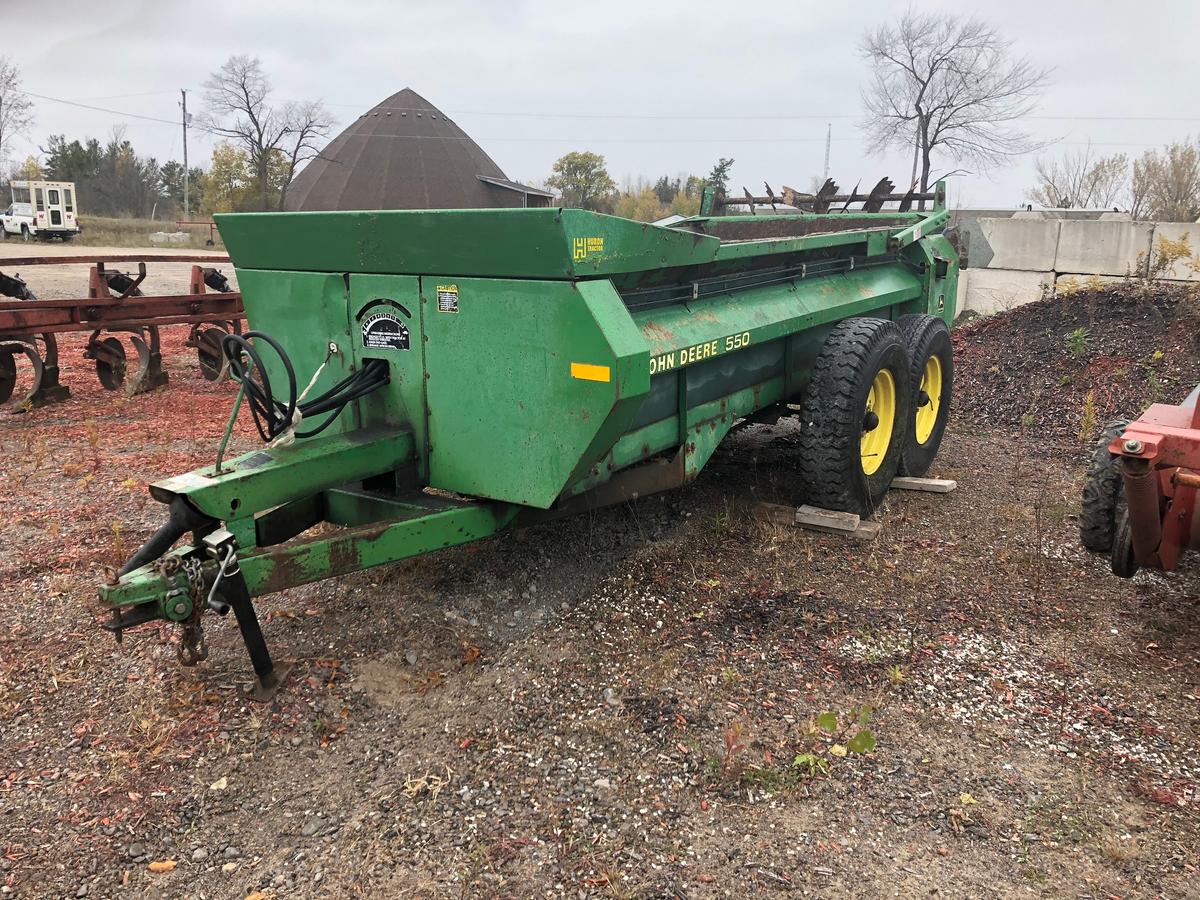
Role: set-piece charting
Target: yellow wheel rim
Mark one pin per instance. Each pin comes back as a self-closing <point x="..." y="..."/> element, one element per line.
<point x="879" y="420"/>
<point x="927" y="414"/>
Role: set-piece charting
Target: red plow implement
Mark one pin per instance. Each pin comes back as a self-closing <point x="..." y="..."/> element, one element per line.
<point x="123" y="323"/>
<point x="1140" y="501"/>
<point x="1160" y="470"/>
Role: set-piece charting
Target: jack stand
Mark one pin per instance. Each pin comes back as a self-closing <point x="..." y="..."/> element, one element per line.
<point x="235" y="592"/>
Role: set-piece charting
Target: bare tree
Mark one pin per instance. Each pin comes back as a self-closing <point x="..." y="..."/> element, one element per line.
<point x="947" y="85"/>
<point x="1166" y="184"/>
<point x="310" y="124"/>
<point x="16" y="109"/>
<point x="1080" y="179"/>
<point x="277" y="139"/>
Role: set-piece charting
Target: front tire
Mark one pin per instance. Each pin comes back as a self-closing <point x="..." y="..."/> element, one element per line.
<point x="1123" y="562"/>
<point x="1103" y="493"/>
<point x="855" y="416"/>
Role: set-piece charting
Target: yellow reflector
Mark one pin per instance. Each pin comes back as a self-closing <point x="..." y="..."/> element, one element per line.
<point x="588" y="372"/>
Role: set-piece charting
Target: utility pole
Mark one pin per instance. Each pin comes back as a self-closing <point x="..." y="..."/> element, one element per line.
<point x="186" y="209"/>
<point x="828" y="139"/>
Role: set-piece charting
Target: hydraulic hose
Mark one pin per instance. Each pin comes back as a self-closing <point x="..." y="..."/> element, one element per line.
<point x="272" y="417"/>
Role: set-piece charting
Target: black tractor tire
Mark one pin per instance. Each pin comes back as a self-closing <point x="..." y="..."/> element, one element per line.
<point x="927" y="337"/>
<point x="8" y="375"/>
<point x="1123" y="562"/>
<point x="835" y="415"/>
<point x="1103" y="493"/>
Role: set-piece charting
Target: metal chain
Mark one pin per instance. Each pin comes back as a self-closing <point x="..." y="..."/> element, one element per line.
<point x="167" y="566"/>
<point x="193" y="646"/>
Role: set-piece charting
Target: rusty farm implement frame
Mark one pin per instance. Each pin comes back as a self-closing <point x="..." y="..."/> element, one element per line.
<point x="1141" y="500"/>
<point x="114" y="307"/>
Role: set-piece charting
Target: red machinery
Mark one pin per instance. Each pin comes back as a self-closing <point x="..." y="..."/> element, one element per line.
<point x="114" y="306"/>
<point x="1141" y="494"/>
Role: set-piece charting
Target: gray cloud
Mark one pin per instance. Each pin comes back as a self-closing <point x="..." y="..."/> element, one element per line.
<point x="483" y="61"/>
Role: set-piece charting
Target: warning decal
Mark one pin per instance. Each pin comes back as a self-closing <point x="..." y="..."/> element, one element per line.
<point x="447" y="297"/>
<point x="383" y="331"/>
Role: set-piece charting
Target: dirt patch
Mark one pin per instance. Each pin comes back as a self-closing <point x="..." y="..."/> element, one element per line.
<point x="1062" y="368"/>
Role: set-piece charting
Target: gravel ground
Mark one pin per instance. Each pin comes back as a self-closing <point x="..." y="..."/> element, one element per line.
<point x="609" y="706"/>
<point x="65" y="281"/>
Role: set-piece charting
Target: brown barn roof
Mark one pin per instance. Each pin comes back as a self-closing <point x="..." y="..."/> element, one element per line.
<point x="403" y="154"/>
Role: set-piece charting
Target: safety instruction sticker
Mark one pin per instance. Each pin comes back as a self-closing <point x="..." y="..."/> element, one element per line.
<point x="384" y="331"/>
<point x="447" y="298"/>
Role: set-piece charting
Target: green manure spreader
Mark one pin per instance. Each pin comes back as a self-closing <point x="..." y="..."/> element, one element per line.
<point x="423" y="379"/>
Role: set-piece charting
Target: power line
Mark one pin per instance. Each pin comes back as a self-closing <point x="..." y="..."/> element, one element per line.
<point x="736" y="117"/>
<point x="123" y="96"/>
<point x="602" y="116"/>
<point x="610" y="140"/>
<point x="627" y="116"/>
<point x="703" y="140"/>
<point x="111" y="112"/>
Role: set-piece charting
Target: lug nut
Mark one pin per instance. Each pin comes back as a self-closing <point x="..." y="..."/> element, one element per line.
<point x="1133" y="446"/>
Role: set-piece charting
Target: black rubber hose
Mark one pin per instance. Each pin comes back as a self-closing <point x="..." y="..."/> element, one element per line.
<point x="366" y="389"/>
<point x="271" y="417"/>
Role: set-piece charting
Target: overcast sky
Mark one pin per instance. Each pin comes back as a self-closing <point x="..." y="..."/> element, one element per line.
<point x="657" y="86"/>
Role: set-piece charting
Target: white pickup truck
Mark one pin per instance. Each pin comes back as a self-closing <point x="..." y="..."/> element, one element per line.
<point x="41" y="209"/>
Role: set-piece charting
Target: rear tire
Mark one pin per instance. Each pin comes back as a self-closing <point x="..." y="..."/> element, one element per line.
<point x="859" y="385"/>
<point x="931" y="372"/>
<point x="1103" y="492"/>
<point x="25" y="236"/>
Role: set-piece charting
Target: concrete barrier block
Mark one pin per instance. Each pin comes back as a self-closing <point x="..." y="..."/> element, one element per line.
<point x="1100" y="248"/>
<point x="1027" y="244"/>
<point x="1182" y="269"/>
<point x="991" y="291"/>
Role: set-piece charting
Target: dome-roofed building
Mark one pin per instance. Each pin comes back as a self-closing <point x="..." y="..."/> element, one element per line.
<point x="406" y="154"/>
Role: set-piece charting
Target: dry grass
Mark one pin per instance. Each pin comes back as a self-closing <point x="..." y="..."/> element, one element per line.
<point x="101" y="232"/>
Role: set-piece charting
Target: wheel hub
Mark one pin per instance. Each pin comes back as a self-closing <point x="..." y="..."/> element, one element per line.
<point x="929" y="399"/>
<point x="879" y="419"/>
